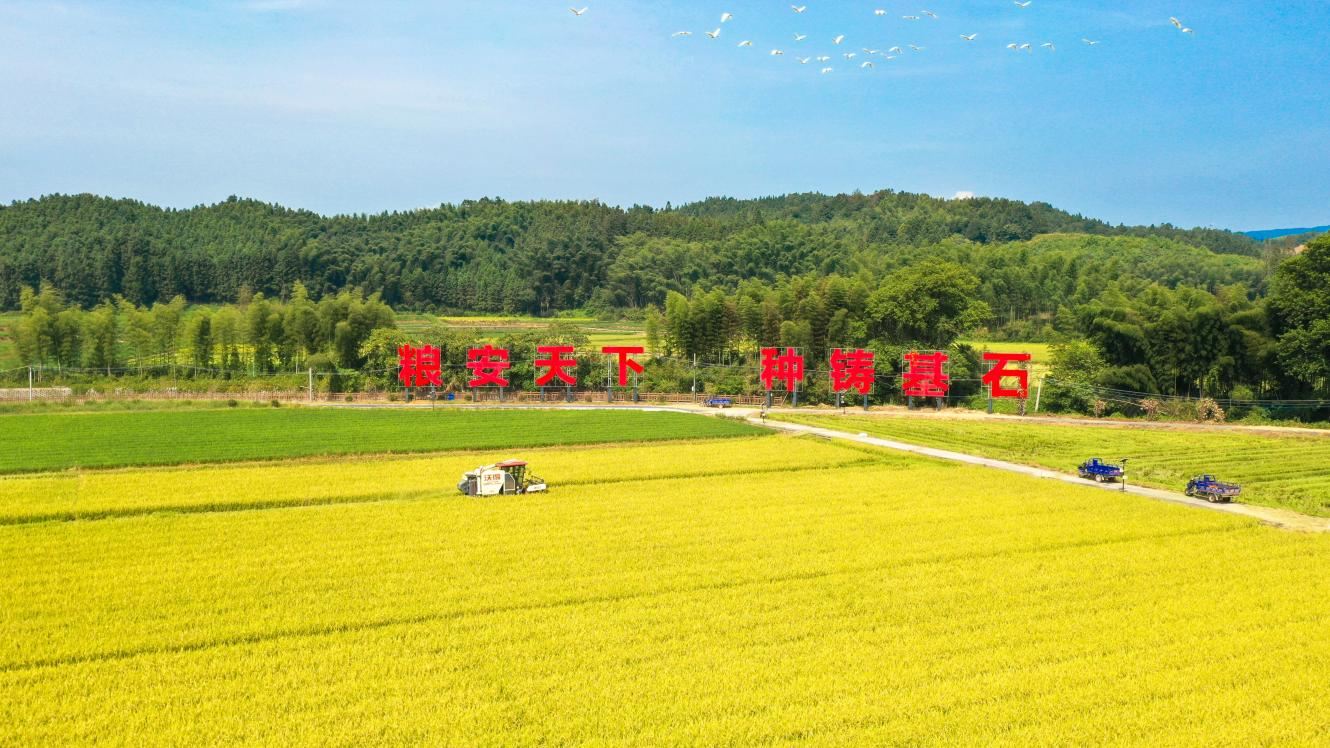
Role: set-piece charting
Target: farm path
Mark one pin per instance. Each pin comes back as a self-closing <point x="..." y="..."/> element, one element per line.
<point x="1277" y="517"/>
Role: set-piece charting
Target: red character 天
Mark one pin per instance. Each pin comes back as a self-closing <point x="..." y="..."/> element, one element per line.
<point x="419" y="366"/>
<point x="1000" y="371"/>
<point x="625" y="363"/>
<point x="925" y="374"/>
<point x="555" y="365"/>
<point x="487" y="366"/>
<point x="854" y="370"/>
<point x="787" y="367"/>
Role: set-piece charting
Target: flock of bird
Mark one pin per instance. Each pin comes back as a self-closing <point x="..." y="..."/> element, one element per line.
<point x="887" y="54"/>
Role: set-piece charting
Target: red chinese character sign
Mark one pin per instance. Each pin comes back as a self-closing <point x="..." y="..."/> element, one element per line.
<point x="626" y="364"/>
<point x="925" y="374"/>
<point x="1000" y="371"/>
<point x="419" y="367"/>
<point x="786" y="368"/>
<point x="853" y="370"/>
<point x="555" y="365"/>
<point x="488" y="365"/>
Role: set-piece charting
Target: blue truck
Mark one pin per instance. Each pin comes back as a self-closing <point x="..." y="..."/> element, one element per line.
<point x="1212" y="490"/>
<point x="1100" y="471"/>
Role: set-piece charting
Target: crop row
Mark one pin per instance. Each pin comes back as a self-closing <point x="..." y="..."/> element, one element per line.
<point x="876" y="604"/>
<point x="30" y="443"/>
<point x="358" y="479"/>
<point x="1286" y="471"/>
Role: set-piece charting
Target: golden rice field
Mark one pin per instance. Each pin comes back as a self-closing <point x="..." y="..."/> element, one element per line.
<point x="771" y="590"/>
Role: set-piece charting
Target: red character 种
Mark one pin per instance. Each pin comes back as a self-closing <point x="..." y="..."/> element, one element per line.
<point x="787" y="367"/>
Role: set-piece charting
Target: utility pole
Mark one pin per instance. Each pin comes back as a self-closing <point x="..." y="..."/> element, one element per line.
<point x="29" y="382"/>
<point x="694" y="376"/>
<point x="1039" y="390"/>
<point x="311" y="384"/>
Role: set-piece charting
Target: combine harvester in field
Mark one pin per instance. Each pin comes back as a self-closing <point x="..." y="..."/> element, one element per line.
<point x="502" y="478"/>
<point x="1212" y="490"/>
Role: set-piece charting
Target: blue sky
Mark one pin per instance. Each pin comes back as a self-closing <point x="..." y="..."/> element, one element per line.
<point x="360" y="107"/>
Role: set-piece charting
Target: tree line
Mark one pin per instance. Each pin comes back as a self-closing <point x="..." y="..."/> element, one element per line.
<point x="544" y="257"/>
<point x="254" y="335"/>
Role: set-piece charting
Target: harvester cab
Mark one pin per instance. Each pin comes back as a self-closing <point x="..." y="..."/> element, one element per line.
<point x="507" y="477"/>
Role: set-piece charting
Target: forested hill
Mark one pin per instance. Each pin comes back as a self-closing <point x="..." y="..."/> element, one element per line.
<point x="542" y="257"/>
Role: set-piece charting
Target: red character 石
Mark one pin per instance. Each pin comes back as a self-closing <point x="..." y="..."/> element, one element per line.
<point x="1000" y="371"/>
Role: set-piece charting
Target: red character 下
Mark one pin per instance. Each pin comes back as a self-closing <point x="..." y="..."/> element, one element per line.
<point x="419" y="366"/>
<point x="487" y="366"/>
<point x="556" y="365"/>
<point x="855" y="370"/>
<point x="625" y="363"/>
<point x="787" y="367"/>
<point x="1000" y="371"/>
<point x="925" y="374"/>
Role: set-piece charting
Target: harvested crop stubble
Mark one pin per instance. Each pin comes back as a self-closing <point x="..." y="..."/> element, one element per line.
<point x="1284" y="471"/>
<point x="33" y="443"/>
<point x="357" y="479"/>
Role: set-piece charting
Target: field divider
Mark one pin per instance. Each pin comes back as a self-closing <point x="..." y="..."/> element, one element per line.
<point x="1281" y="518"/>
<point x="595" y="599"/>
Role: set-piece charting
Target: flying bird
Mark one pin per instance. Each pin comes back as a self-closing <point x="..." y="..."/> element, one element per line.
<point x="929" y="13"/>
<point x="969" y="37"/>
<point x="1089" y="42"/>
<point x="1049" y="46"/>
<point x="826" y="70"/>
<point x="713" y="34"/>
<point x="879" y="12"/>
<point x="1186" y="30"/>
<point x="1013" y="45"/>
<point x="917" y="49"/>
<point x="896" y="50"/>
<point x="577" y="12"/>
<point x="1175" y="22"/>
<point x="850" y="55"/>
<point x="724" y="17"/>
<point x="823" y="58"/>
<point x="1020" y="4"/>
<point x="867" y="65"/>
<point x="803" y="60"/>
<point x="682" y="33"/>
<point x="800" y="37"/>
<point x="745" y="43"/>
<point x="838" y="39"/>
<point x="798" y="8"/>
<point x="1026" y="46"/>
<point x="776" y="53"/>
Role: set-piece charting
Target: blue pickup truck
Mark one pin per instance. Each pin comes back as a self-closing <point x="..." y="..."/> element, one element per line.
<point x="720" y="402"/>
<point x="1100" y="471"/>
<point x="1212" y="490"/>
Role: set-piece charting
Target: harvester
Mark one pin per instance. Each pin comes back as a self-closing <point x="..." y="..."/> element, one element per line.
<point x="507" y="477"/>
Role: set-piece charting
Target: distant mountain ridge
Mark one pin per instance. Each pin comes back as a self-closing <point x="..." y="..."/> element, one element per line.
<point x="1261" y="236"/>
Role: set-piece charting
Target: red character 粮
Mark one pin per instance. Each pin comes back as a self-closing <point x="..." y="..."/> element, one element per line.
<point x="787" y="367"/>
<point x="555" y="365"/>
<point x="925" y="374"/>
<point x="625" y="363"/>
<point x="420" y="367"/>
<point x="854" y="370"/>
<point x="487" y="366"/>
<point x="1000" y="371"/>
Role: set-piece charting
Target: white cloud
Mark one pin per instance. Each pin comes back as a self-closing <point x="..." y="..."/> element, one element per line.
<point x="963" y="195"/>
